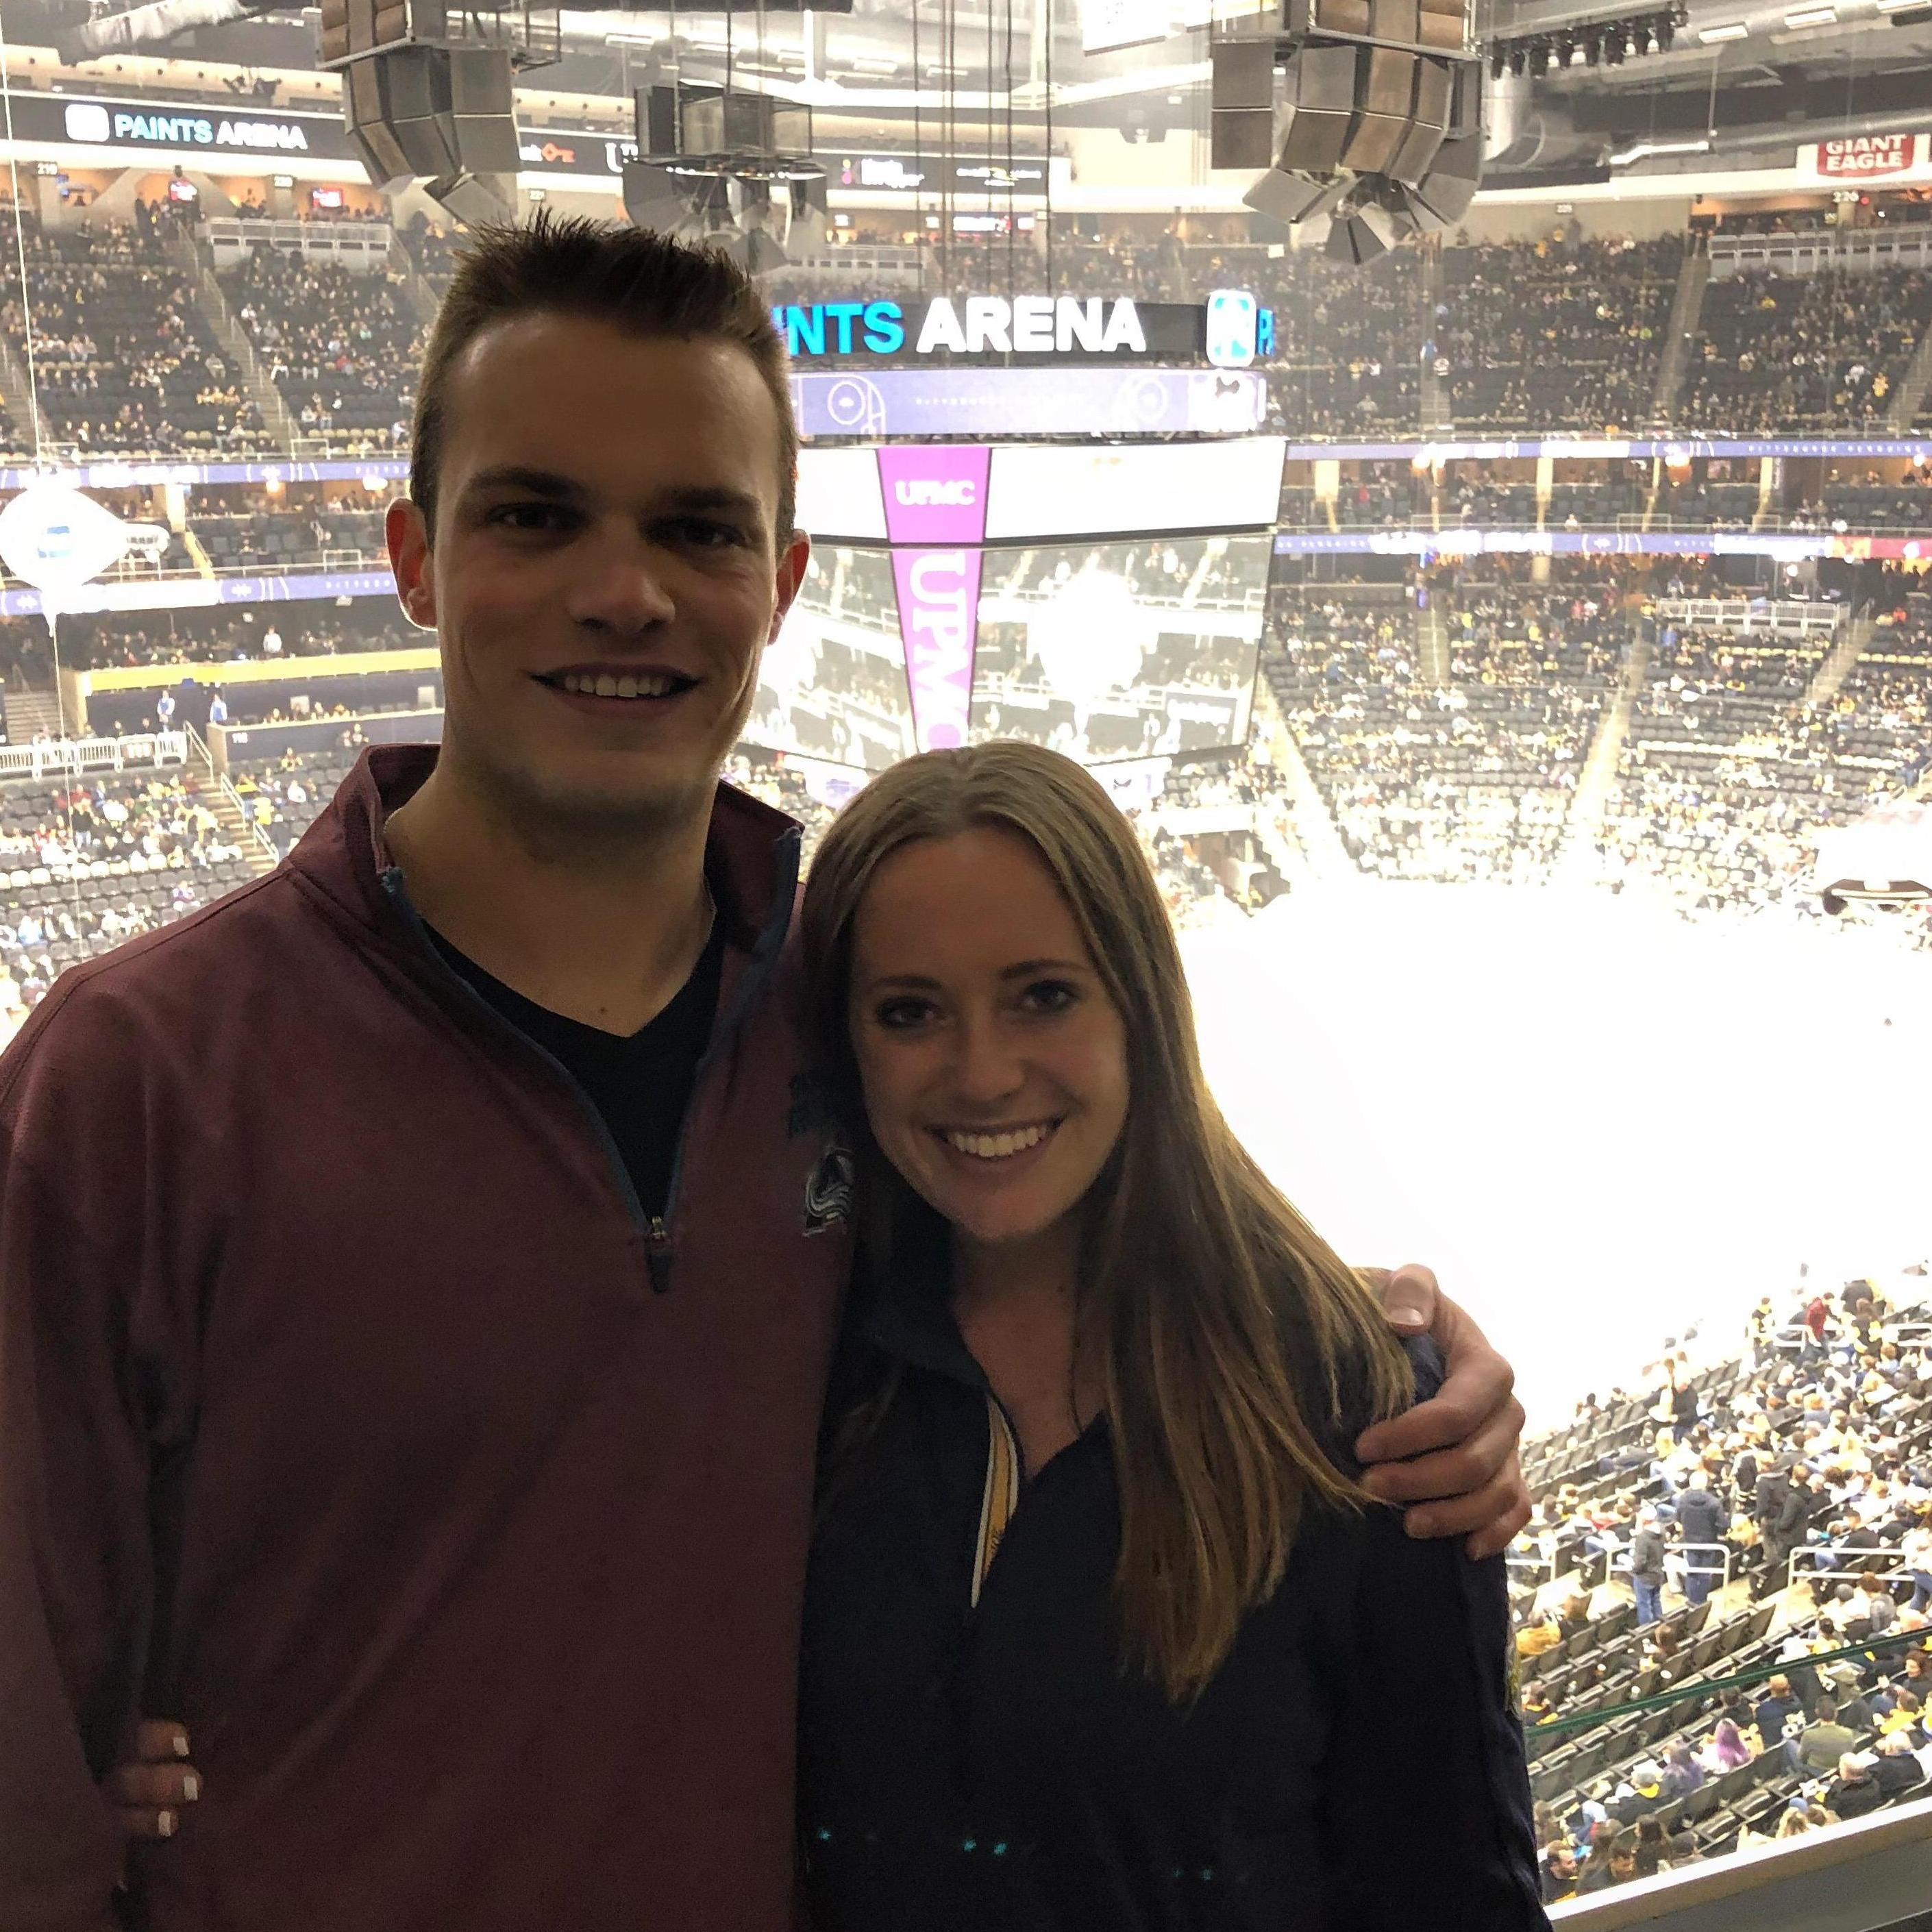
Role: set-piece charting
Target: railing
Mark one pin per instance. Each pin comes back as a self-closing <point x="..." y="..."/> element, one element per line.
<point x="1865" y="250"/>
<point x="1872" y="1874"/>
<point x="1841" y="1567"/>
<point x="44" y="756"/>
<point x="1788" y="617"/>
<point x="363" y="246"/>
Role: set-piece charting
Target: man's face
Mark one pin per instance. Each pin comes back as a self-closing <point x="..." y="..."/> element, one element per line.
<point x="604" y="575"/>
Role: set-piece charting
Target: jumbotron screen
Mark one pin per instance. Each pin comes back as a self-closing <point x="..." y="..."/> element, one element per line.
<point x="1120" y="650"/>
<point x="832" y="685"/>
<point x="1104" y="599"/>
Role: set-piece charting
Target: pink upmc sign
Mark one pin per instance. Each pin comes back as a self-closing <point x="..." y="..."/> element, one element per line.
<point x="936" y="494"/>
<point x="939" y="608"/>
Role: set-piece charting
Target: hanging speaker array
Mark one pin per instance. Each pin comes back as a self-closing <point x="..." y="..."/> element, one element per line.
<point x="1365" y="113"/>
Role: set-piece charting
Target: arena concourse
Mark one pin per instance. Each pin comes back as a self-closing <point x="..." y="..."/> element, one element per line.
<point x="1514" y="651"/>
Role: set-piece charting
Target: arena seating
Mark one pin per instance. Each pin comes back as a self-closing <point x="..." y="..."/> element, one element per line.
<point x="340" y="347"/>
<point x="1554" y="336"/>
<point x="88" y="861"/>
<point x="1814" y="352"/>
<point x="261" y="540"/>
<point x="1470" y="782"/>
<point x="123" y="358"/>
<point x="1623" y="1720"/>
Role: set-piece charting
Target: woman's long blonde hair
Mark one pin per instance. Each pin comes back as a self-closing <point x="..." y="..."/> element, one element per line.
<point x="1237" y="1352"/>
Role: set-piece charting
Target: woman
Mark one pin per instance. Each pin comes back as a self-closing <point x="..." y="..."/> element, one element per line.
<point x="1682" y="1773"/>
<point x="1099" y="1619"/>
<point x="1727" y="1749"/>
<point x="1084" y="1629"/>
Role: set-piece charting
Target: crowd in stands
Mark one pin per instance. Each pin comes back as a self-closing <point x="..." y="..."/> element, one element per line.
<point x="341" y="346"/>
<point x="121" y="357"/>
<point x="1868" y="503"/>
<point x="1763" y="1524"/>
<point x="87" y="862"/>
<point x="1562" y="332"/>
<point x="1554" y="334"/>
<point x="1817" y="351"/>
<point x="1468" y="778"/>
<point x="101" y="640"/>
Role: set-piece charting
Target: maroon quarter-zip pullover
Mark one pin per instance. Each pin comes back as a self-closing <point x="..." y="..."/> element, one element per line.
<point x="351" y="1411"/>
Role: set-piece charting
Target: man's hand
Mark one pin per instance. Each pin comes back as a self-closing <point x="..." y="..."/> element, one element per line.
<point x="1457" y="1451"/>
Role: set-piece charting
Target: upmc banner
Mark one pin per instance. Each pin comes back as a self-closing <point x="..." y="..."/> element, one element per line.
<point x="935" y="494"/>
<point x="939" y="614"/>
<point x="1863" y="158"/>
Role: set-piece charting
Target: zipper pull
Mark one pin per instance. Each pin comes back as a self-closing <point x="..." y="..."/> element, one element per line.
<point x="657" y="1254"/>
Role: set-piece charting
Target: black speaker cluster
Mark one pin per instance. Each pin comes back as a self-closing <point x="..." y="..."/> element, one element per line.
<point x="1367" y="112"/>
<point x="418" y="107"/>
<point x="717" y="164"/>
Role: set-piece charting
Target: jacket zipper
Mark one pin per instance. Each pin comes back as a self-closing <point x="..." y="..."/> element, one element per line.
<point x="655" y="1228"/>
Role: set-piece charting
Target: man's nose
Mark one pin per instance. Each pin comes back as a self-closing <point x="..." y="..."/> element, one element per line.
<point x="617" y="583"/>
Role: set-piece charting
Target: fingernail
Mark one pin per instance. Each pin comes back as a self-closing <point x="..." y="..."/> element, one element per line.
<point x="1418" y="1527"/>
<point x="165" y="1824"/>
<point x="190" y="1787"/>
<point x="181" y="1744"/>
<point x="1409" y="1317"/>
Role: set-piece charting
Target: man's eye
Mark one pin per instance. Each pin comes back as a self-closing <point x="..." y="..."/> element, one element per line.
<point x="706" y="535"/>
<point x="897" y="1014"/>
<point x="528" y="517"/>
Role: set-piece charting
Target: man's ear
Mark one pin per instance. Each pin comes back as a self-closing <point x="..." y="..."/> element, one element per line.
<point x="406" y="530"/>
<point x="792" y="562"/>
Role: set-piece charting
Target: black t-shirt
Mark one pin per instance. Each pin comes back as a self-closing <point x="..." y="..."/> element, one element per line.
<point x="640" y="1085"/>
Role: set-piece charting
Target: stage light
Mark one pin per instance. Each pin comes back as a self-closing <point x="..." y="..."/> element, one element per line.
<point x="1731" y="30"/>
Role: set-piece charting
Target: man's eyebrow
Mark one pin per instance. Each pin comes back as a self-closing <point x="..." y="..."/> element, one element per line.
<point x="559" y="488"/>
<point x="714" y="496"/>
<point x="518" y="476"/>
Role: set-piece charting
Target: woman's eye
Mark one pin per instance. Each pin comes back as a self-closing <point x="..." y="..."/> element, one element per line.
<point x="1049" y="996"/>
<point x="899" y="1014"/>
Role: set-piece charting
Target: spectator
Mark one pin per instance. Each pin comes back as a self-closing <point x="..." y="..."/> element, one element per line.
<point x="1701" y="1518"/>
<point x="1643" y="1794"/>
<point x="1682" y="1773"/>
<point x="1727" y="1749"/>
<point x="1896" y="1770"/>
<point x="1779" y="1511"/>
<point x="1646" y="1568"/>
<point x="1595" y="1874"/>
<point x="1854" y="1791"/>
<point x="1774" y="1709"/>
<point x="1559" y="1873"/>
<point x="1574" y="1617"/>
<point x="1822" y="1743"/>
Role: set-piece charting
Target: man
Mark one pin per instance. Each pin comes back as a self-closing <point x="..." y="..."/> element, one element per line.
<point x="449" y="1474"/>
<point x="1822" y="1743"/>
<point x="1646" y="1562"/>
<point x="1779" y="1510"/>
<point x="1643" y="1794"/>
<point x="1897" y="1769"/>
<point x="1855" y="1791"/>
<point x="1701" y="1520"/>
<point x="1774" y="1709"/>
<point x="1876" y="1605"/>
<point x="1559" y="1873"/>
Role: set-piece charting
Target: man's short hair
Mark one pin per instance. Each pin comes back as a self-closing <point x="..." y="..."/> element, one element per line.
<point x="645" y="284"/>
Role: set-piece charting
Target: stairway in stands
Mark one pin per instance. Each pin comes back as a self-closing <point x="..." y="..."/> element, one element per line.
<point x="256" y="382"/>
<point x="221" y="798"/>
<point x="31" y="712"/>
<point x="1909" y="397"/>
<point x="1432" y="647"/>
<point x="1687" y="314"/>
<point x="1838" y="661"/>
<point x="1575" y="862"/>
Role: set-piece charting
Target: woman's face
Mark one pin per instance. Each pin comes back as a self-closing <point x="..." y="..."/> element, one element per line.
<point x="993" y="1061"/>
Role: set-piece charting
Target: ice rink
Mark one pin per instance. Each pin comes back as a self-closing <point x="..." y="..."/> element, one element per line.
<point x="1600" y="1124"/>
